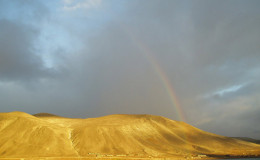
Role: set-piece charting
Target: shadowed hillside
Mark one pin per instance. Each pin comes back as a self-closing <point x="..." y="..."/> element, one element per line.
<point x="46" y="135"/>
<point x="248" y="139"/>
<point x="45" y="115"/>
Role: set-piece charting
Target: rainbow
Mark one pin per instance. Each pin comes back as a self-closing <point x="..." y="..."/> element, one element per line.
<point x="161" y="75"/>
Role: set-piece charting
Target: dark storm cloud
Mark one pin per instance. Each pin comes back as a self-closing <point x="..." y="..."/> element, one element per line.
<point x="18" y="60"/>
<point x="206" y="49"/>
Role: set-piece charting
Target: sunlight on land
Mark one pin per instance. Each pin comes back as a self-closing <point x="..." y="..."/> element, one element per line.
<point x="115" y="136"/>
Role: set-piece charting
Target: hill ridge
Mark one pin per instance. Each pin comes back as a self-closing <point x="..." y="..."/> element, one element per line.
<point x="43" y="114"/>
<point x="120" y="134"/>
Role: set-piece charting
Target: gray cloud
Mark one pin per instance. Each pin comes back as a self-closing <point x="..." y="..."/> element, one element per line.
<point x="17" y="59"/>
<point x="202" y="46"/>
<point x="23" y="10"/>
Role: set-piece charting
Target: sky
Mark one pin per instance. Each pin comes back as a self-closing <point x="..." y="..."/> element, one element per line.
<point x="195" y="61"/>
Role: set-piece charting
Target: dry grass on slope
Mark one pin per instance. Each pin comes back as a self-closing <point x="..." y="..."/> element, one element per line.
<point x="25" y="135"/>
<point x="46" y="135"/>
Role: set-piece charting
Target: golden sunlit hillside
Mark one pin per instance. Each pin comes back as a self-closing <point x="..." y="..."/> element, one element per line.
<point x="120" y="136"/>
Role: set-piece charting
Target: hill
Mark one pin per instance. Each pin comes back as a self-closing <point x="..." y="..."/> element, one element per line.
<point x="24" y="135"/>
<point x="45" y="115"/>
<point x="248" y="139"/>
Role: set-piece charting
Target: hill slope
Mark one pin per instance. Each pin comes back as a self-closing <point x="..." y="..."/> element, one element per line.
<point x="248" y="139"/>
<point x="44" y="135"/>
